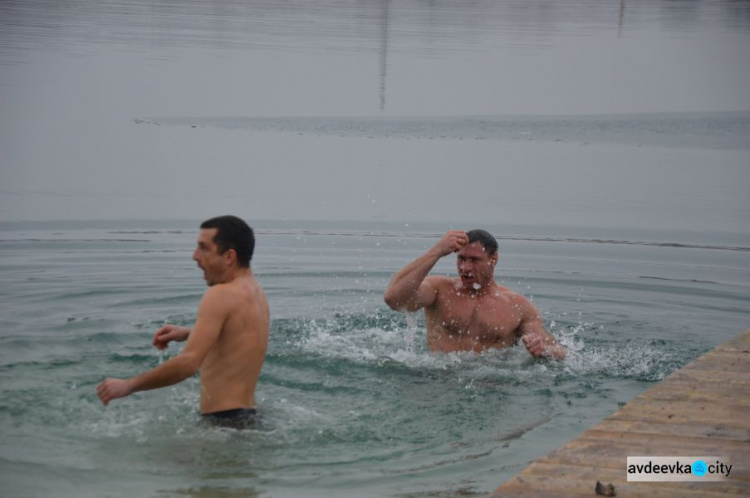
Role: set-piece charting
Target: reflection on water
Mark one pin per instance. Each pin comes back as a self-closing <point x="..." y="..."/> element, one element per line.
<point x="384" y="51"/>
<point x="346" y="25"/>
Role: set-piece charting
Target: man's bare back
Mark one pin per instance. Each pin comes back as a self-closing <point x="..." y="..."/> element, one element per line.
<point x="230" y="371"/>
<point x="471" y="312"/>
<point x="228" y="342"/>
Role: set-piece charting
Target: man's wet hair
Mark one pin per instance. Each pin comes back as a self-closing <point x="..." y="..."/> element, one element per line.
<point x="233" y="233"/>
<point x="485" y="238"/>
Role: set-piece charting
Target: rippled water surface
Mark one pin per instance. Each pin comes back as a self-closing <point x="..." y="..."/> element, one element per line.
<point x="354" y="405"/>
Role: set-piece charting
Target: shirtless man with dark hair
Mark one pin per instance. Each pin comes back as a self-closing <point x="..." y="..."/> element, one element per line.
<point x="229" y="339"/>
<point x="471" y="312"/>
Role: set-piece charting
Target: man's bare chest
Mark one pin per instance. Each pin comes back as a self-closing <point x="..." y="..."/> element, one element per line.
<point x="490" y="317"/>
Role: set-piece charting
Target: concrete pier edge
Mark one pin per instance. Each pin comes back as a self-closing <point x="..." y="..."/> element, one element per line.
<point x="700" y="409"/>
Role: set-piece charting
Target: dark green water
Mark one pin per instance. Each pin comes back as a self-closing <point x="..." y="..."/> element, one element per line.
<point x="353" y="402"/>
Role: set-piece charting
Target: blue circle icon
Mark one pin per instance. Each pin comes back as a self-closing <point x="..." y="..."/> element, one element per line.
<point x="699" y="468"/>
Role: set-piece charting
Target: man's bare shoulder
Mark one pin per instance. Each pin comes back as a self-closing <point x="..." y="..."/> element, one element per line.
<point x="439" y="282"/>
<point x="217" y="291"/>
<point x="239" y="287"/>
<point x="521" y="302"/>
<point x="217" y="298"/>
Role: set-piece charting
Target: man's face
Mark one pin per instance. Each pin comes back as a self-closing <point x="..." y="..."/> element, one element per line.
<point x="475" y="267"/>
<point x="208" y="258"/>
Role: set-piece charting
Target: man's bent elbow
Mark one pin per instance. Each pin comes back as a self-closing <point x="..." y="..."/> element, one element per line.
<point x="392" y="301"/>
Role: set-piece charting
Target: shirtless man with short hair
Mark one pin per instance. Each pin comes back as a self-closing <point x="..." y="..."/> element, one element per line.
<point x="229" y="339"/>
<point x="471" y="312"/>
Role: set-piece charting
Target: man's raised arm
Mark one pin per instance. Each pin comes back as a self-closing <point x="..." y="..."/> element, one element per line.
<point x="408" y="289"/>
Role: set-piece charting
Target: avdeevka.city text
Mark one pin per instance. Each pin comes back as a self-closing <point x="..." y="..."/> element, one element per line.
<point x="678" y="468"/>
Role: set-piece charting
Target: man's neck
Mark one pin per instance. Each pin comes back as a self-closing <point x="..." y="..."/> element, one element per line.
<point x="483" y="290"/>
<point x="237" y="273"/>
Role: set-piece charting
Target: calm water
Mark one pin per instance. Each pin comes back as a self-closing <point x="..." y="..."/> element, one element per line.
<point x="606" y="143"/>
<point x="355" y="404"/>
<point x="603" y="113"/>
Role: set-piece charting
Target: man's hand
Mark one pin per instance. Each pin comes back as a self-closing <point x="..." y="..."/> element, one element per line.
<point x="452" y="241"/>
<point x="112" y="389"/>
<point x="169" y="333"/>
<point x="411" y="289"/>
<point x="535" y="345"/>
<point x="540" y="349"/>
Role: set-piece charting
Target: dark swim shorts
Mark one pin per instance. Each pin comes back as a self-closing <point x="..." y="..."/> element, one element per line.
<point x="239" y="418"/>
